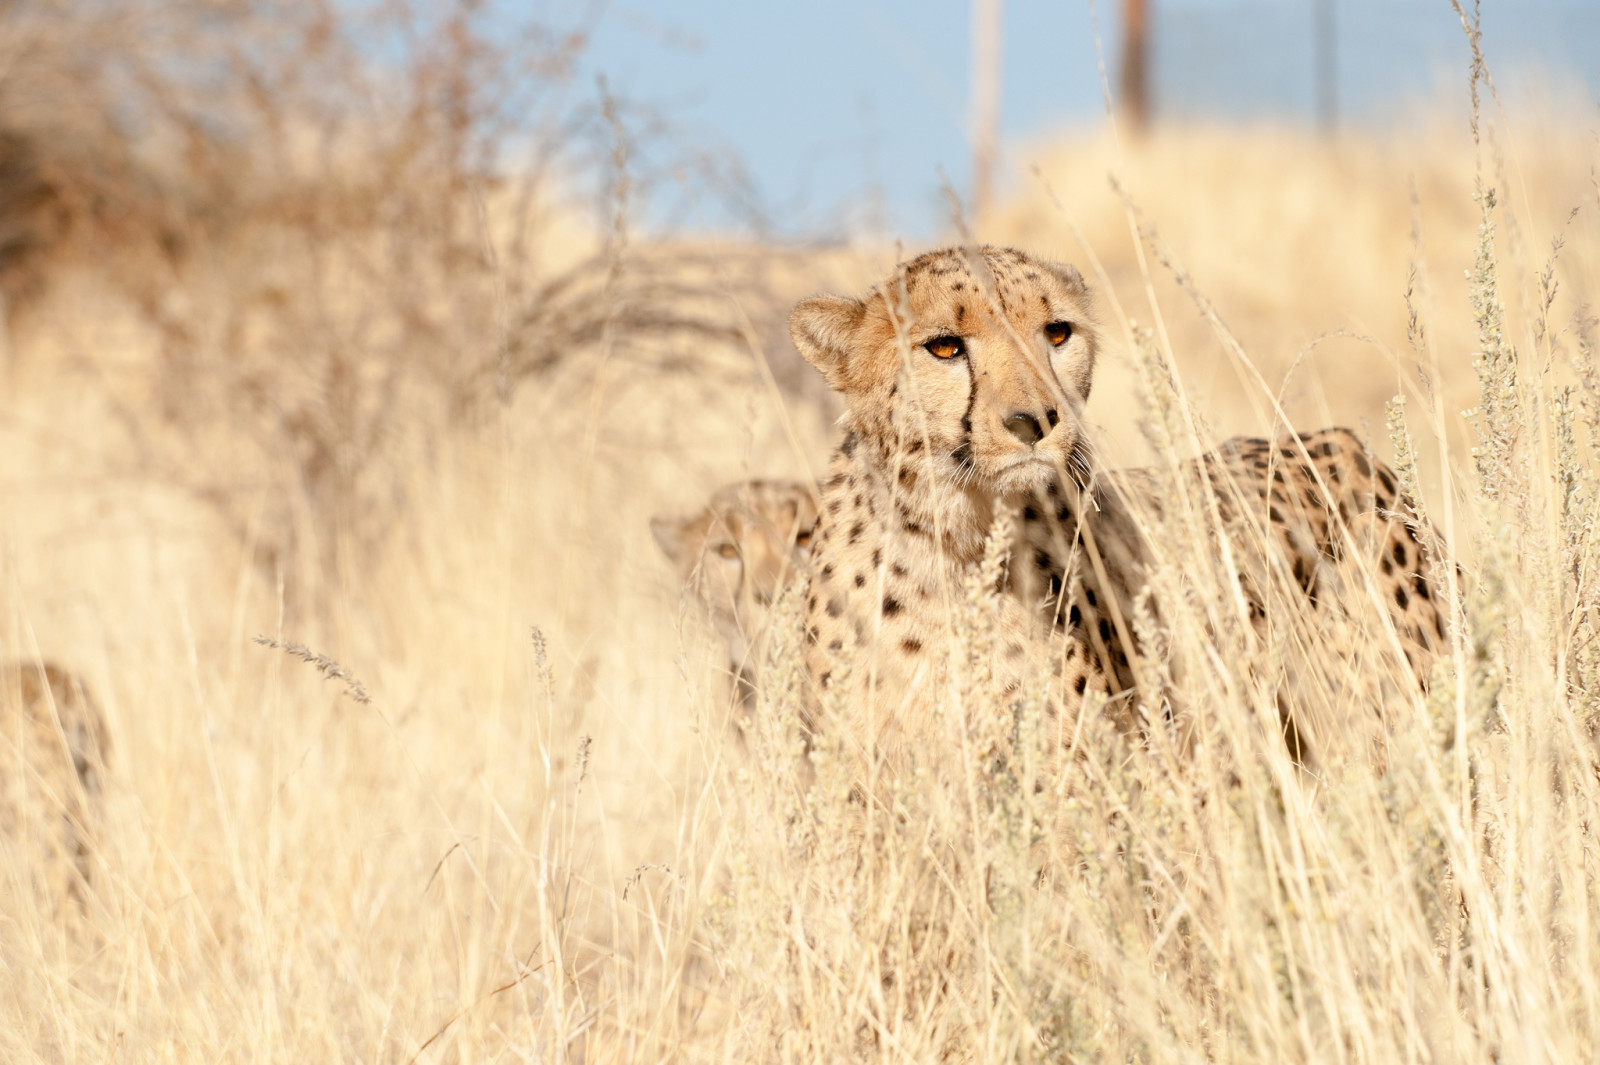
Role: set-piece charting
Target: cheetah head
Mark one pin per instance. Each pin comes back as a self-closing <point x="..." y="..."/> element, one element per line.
<point x="976" y="361"/>
<point x="738" y="551"/>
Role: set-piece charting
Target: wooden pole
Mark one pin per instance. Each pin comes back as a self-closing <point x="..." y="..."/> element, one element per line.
<point x="1136" y="63"/>
<point x="985" y="118"/>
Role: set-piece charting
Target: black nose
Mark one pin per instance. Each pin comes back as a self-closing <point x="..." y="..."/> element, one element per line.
<point x="1025" y="427"/>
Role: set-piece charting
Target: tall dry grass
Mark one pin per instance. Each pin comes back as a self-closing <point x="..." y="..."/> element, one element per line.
<point x="536" y="840"/>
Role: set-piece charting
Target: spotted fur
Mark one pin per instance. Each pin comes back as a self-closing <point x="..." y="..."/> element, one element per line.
<point x="1312" y="515"/>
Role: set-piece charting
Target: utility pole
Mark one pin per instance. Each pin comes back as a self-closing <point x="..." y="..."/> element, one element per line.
<point x="1136" y="63"/>
<point x="1325" y="32"/>
<point x="985" y="118"/>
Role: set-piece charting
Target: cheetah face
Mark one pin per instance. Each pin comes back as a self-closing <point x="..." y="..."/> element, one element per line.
<point x="982" y="356"/>
<point x="737" y="552"/>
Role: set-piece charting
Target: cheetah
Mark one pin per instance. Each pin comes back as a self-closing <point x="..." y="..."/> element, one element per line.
<point x="53" y="748"/>
<point x="735" y="555"/>
<point x="965" y="375"/>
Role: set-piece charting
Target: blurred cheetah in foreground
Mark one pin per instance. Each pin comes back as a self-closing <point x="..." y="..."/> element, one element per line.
<point x="965" y="375"/>
<point x="53" y="747"/>
<point x="736" y="554"/>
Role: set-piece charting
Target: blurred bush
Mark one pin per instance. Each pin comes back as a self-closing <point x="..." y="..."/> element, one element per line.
<point x="340" y="230"/>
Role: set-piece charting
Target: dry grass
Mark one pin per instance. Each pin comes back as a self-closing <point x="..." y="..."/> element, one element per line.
<point x="536" y="841"/>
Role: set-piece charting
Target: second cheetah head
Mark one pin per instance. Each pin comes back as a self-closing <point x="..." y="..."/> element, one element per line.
<point x="737" y="552"/>
<point x="981" y="356"/>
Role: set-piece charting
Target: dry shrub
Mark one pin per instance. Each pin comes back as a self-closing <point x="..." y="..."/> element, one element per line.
<point x="363" y="232"/>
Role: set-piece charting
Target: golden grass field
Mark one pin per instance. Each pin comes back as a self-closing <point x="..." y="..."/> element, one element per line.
<point x="539" y="841"/>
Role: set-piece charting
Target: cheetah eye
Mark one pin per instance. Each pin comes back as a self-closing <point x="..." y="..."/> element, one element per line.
<point x="727" y="550"/>
<point x="946" y="347"/>
<point x="1057" y="333"/>
<point x="803" y="538"/>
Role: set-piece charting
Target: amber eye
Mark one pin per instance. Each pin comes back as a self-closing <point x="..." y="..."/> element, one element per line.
<point x="946" y="347"/>
<point x="803" y="538"/>
<point x="1057" y="333"/>
<point x="727" y="551"/>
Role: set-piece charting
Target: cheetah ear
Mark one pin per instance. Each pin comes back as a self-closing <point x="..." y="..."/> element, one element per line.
<point x="823" y="328"/>
<point x="674" y="537"/>
<point x="1070" y="276"/>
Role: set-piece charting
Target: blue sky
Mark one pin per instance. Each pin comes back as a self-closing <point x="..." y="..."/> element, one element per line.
<point x="847" y="115"/>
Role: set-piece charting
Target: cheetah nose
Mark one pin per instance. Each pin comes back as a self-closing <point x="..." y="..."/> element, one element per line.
<point x="1025" y="427"/>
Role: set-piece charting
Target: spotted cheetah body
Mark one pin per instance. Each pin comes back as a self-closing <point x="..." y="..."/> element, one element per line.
<point x="1312" y="513"/>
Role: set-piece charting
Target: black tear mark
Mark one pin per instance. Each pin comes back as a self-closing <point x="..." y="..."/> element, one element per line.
<point x="966" y="415"/>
